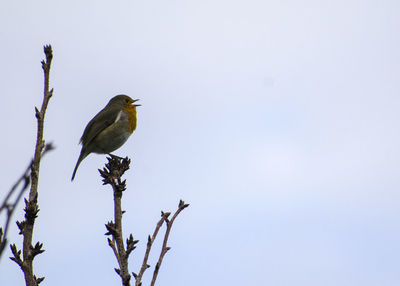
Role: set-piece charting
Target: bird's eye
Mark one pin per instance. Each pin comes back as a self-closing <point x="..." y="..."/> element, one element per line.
<point x="127" y="100"/>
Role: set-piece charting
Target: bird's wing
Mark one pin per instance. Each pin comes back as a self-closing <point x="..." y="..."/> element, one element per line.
<point x="101" y="121"/>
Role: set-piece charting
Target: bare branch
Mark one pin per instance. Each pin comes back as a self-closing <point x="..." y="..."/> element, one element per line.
<point x="112" y="174"/>
<point x="10" y="207"/>
<point x="31" y="207"/>
<point x="150" y="241"/>
<point x="165" y="248"/>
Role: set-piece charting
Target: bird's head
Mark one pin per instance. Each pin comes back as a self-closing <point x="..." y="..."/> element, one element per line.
<point x="123" y="100"/>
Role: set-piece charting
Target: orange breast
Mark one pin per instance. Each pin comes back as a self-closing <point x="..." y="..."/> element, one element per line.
<point x="131" y="115"/>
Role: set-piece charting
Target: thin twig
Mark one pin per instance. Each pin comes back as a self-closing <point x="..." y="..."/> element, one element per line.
<point x="165" y="248"/>
<point x="11" y="206"/>
<point x="111" y="175"/>
<point x="32" y="208"/>
<point x="24" y="177"/>
<point x="150" y="241"/>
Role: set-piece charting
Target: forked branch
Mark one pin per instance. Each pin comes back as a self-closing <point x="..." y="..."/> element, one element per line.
<point x="111" y="175"/>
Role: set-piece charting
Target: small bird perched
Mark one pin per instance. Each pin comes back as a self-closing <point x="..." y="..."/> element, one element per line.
<point x="109" y="129"/>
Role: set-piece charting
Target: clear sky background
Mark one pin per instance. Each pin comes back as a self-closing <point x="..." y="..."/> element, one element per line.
<point x="278" y="121"/>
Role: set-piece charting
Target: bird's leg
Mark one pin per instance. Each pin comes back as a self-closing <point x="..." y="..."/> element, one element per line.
<point x="115" y="156"/>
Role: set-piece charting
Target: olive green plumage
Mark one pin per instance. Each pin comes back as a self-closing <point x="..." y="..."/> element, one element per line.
<point x="109" y="129"/>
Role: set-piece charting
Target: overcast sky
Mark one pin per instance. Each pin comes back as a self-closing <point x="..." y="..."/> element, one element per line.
<point x="278" y="121"/>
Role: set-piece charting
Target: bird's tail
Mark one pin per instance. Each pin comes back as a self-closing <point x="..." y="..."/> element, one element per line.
<point x="81" y="157"/>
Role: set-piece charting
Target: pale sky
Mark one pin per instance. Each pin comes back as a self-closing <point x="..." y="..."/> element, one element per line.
<point x="278" y="121"/>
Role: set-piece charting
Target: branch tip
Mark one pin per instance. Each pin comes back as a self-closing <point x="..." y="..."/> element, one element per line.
<point x="182" y="204"/>
<point x="38" y="280"/>
<point x="31" y="177"/>
<point x="48" y="52"/>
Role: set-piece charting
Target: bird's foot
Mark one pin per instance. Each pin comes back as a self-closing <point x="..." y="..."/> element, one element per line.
<point x="115" y="156"/>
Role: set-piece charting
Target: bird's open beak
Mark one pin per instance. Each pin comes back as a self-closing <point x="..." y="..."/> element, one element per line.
<point x="135" y="101"/>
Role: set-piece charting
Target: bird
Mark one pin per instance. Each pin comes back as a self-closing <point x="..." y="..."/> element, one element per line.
<point x="109" y="129"/>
